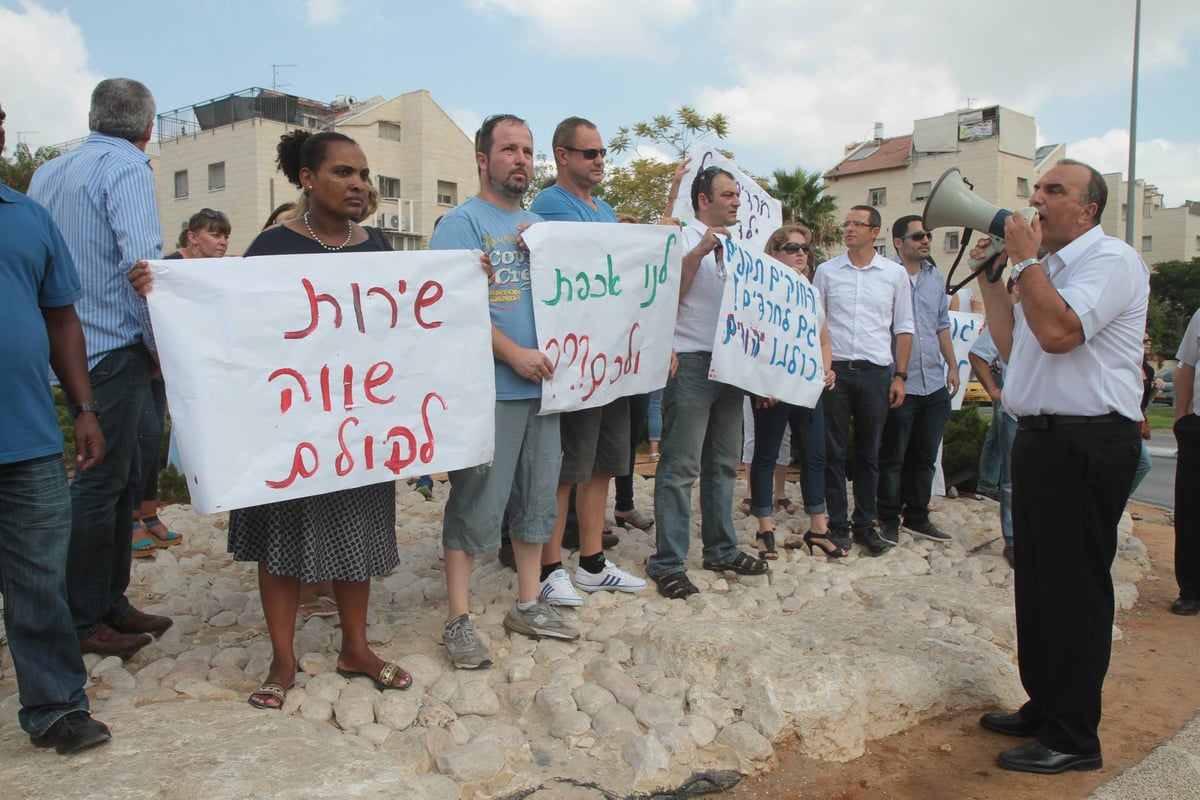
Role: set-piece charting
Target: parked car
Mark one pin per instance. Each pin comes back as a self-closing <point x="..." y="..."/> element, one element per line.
<point x="975" y="393"/>
<point x="1166" y="395"/>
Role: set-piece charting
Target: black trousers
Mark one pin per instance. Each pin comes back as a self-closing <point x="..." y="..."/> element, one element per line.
<point x="1069" y="488"/>
<point x="1187" y="507"/>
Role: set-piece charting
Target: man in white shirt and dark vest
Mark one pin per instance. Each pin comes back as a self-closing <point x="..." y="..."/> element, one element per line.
<point x="1074" y="381"/>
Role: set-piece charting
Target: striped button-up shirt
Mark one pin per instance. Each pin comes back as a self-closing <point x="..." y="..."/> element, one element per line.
<point x="931" y="314"/>
<point x="101" y="196"/>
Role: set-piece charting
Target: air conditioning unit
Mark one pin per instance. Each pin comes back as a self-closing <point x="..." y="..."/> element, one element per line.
<point x="389" y="222"/>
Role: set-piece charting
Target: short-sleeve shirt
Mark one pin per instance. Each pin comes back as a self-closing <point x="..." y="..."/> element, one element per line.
<point x="865" y="307"/>
<point x="1189" y="353"/>
<point x="480" y="225"/>
<point x="557" y="204"/>
<point x="1106" y="283"/>
<point x="36" y="272"/>
<point x="700" y="309"/>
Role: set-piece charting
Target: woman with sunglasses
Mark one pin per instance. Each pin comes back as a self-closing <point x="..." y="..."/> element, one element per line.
<point x="346" y="536"/>
<point x="205" y="236"/>
<point x="789" y="245"/>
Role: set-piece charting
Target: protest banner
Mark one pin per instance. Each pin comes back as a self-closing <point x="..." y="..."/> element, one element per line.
<point x="605" y="298"/>
<point x="290" y="376"/>
<point x="759" y="214"/>
<point x="768" y="341"/>
<point x="964" y="330"/>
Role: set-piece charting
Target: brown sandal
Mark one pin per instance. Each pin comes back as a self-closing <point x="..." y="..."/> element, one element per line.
<point x="384" y="680"/>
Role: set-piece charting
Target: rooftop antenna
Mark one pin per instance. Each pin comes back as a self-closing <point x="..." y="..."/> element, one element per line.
<point x="971" y="100"/>
<point x="275" y="84"/>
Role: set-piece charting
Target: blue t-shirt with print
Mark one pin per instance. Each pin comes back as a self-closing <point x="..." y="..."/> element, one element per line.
<point x="557" y="204"/>
<point x="36" y="272"/>
<point x="480" y="225"/>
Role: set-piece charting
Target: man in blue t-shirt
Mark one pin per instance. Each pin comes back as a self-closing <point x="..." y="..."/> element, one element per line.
<point x="39" y="327"/>
<point x="524" y="470"/>
<point x="595" y="441"/>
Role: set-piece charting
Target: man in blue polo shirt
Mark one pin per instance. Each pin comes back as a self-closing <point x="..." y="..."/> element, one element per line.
<point x="38" y="327"/>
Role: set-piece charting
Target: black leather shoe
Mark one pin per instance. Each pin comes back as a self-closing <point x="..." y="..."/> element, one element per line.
<point x="1008" y="724"/>
<point x="875" y="543"/>
<point x="927" y="530"/>
<point x="1036" y="757"/>
<point x="1186" y="607"/>
<point x="75" y="731"/>
<point x="891" y="532"/>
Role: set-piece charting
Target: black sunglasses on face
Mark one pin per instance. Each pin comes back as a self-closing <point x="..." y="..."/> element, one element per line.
<point x="793" y="248"/>
<point x="919" y="236"/>
<point x="589" y="153"/>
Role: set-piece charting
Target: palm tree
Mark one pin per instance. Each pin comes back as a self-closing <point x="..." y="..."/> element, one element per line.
<point x="803" y="196"/>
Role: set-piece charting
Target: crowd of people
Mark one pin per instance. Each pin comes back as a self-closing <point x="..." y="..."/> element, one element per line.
<point x="1074" y="307"/>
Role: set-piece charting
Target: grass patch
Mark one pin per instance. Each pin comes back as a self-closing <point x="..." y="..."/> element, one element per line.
<point x="1161" y="418"/>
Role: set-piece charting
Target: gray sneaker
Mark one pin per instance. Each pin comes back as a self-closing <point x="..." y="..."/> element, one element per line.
<point x="466" y="649"/>
<point x="543" y="620"/>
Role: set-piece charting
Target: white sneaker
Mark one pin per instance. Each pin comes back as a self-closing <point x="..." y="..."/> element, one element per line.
<point x="558" y="591"/>
<point x="612" y="578"/>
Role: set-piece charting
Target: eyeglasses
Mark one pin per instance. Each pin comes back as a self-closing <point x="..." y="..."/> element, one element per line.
<point x="794" y="247"/>
<point x="919" y="236"/>
<point x="1146" y="341"/>
<point x="589" y="153"/>
<point x="853" y="223"/>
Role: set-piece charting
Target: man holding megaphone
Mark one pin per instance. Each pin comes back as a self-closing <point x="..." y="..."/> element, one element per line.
<point x="1073" y="346"/>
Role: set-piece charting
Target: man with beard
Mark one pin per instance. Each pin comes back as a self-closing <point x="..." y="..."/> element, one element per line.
<point x="524" y="471"/>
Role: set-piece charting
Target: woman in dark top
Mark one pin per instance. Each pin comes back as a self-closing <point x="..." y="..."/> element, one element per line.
<point x="1150" y="387"/>
<point x="345" y="536"/>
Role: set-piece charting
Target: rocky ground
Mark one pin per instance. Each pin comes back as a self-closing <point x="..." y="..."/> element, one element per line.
<point x="829" y="654"/>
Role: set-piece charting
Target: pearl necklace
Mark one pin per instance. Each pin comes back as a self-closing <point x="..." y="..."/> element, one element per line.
<point x="331" y="248"/>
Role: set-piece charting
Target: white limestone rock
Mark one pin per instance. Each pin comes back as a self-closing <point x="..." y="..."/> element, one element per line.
<point x="468" y="763"/>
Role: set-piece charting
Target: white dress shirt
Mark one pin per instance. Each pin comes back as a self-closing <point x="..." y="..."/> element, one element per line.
<point x="1107" y="285"/>
<point x="700" y="308"/>
<point x="864" y="307"/>
<point x="1189" y="353"/>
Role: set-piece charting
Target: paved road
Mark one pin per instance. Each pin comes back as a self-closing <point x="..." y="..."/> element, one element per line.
<point x="1158" y="488"/>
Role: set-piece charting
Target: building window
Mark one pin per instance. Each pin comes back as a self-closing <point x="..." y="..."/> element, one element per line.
<point x="389" y="131"/>
<point x="877" y="197"/>
<point x="1198" y="242"/>
<point x="1147" y="244"/>
<point x="216" y="176"/>
<point x="921" y="190"/>
<point x="181" y="184"/>
<point x="389" y="187"/>
<point x="1148" y="209"/>
<point x="1022" y="187"/>
<point x="951" y="243"/>
<point x="447" y="193"/>
<point x="881" y="246"/>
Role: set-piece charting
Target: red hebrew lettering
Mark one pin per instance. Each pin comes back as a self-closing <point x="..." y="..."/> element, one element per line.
<point x="299" y="469"/>
<point x="326" y="401"/>
<point x="348" y="387"/>
<point x="373" y="380"/>
<point x="427" y="448"/>
<point x="313" y="299"/>
<point x="396" y="463"/>
<point x="285" y="395"/>
<point x="386" y="296"/>
<point x="358" y="317"/>
<point x="344" y="461"/>
<point x="430" y="293"/>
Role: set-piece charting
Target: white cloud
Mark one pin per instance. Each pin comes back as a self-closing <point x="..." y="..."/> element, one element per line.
<point x="323" y="12"/>
<point x="46" y="85"/>
<point x="1174" y="167"/>
<point x="616" y="28"/>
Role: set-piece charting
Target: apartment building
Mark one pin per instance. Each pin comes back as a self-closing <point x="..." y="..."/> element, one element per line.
<point x="221" y="154"/>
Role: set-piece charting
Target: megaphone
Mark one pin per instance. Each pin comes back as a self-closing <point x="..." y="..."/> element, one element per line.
<point x="953" y="204"/>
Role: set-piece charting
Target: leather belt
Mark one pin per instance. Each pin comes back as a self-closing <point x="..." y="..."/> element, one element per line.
<point x="1040" y="422"/>
<point x="857" y="365"/>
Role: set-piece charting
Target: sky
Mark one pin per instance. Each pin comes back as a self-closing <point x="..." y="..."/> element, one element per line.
<point x="798" y="79"/>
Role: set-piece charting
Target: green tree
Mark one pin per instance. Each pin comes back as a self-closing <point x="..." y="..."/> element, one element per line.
<point x="18" y="171"/>
<point x="638" y="188"/>
<point x="543" y="168"/>
<point x="1174" y="297"/>
<point x="677" y="132"/>
<point x="804" y="199"/>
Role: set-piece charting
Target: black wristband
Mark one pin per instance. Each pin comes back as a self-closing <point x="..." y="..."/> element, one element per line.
<point x="902" y="376"/>
<point x="93" y="407"/>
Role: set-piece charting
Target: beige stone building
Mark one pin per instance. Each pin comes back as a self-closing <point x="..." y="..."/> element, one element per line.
<point x="996" y="150"/>
<point x="221" y="154"/>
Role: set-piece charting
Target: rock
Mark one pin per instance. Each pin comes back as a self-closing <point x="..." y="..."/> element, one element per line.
<point x="741" y="738"/>
<point x="615" y="721"/>
<point x="107" y="662"/>
<point x="317" y="709"/>
<point x="471" y="762"/>
<point x="702" y="730"/>
<point x="648" y="758"/>
<point x="622" y="687"/>
<point x="555" y="699"/>
<point x="435" y="714"/>
<point x="374" y="733"/>
<point x="397" y="710"/>
<point x="352" y="711"/>
<point x="327" y="686"/>
<point x="570" y="723"/>
<point x="678" y="742"/>
<point x="590" y="698"/>
<point x="654" y="709"/>
<point x="475" y="697"/>
<point x="203" y="690"/>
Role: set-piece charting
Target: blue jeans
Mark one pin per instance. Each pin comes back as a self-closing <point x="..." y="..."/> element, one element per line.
<point x="989" y="456"/>
<point x="702" y="438"/>
<point x="654" y="417"/>
<point x="862" y="393"/>
<point x="1143" y="468"/>
<point x="150" y="434"/>
<point x="1006" y="431"/>
<point x="35" y="519"/>
<point x="808" y="431"/>
<point x="908" y="457"/>
<point x="102" y="498"/>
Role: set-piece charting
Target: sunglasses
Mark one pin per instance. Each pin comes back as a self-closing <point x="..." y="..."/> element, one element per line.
<point x="589" y="153"/>
<point x="919" y="236"/>
<point x="794" y="247"/>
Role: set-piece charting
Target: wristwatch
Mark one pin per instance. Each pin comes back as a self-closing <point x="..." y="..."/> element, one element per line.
<point x="93" y="407"/>
<point x="902" y="376"/>
<point x="1017" y="269"/>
